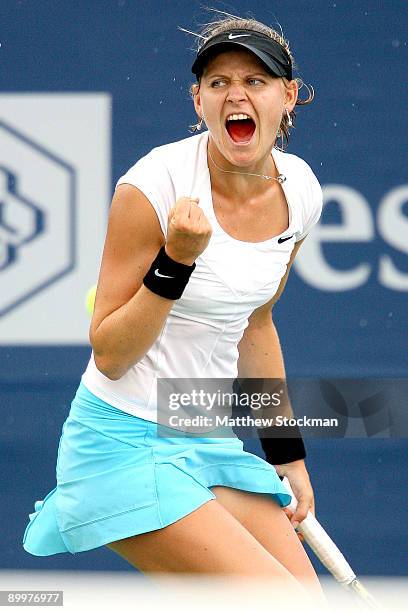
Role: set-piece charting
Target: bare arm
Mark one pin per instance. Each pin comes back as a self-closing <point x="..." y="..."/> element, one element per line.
<point x="128" y="317"/>
<point x="260" y="356"/>
<point x="260" y="353"/>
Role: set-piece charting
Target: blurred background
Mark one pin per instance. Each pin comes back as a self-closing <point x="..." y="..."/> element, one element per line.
<point x="89" y="87"/>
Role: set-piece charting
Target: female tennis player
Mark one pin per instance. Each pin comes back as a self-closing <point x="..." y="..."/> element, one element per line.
<point x="201" y="237"/>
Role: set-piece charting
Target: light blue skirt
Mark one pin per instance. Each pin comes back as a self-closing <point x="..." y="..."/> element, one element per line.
<point x="117" y="478"/>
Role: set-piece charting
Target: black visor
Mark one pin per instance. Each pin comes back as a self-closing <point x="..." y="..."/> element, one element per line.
<point x="271" y="53"/>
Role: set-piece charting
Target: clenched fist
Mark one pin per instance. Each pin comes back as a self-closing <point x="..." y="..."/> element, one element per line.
<point x="189" y="231"/>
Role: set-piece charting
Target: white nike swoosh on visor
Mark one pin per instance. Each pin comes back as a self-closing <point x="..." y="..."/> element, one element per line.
<point x="232" y="36"/>
<point x="157" y="273"/>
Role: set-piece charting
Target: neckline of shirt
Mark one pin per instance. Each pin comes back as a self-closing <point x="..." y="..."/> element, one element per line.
<point x="260" y="243"/>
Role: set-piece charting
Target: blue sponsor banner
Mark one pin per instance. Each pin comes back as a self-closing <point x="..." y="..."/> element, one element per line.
<point x="343" y="312"/>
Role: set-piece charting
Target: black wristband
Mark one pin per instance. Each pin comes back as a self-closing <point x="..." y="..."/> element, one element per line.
<point x="166" y="277"/>
<point x="283" y="450"/>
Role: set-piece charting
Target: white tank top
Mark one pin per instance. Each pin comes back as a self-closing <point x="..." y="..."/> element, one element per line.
<point x="200" y="336"/>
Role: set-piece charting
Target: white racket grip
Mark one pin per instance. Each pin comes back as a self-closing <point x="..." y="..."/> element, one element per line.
<point x="322" y="545"/>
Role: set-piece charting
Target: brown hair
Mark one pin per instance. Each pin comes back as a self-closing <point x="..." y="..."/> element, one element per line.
<point x="232" y="22"/>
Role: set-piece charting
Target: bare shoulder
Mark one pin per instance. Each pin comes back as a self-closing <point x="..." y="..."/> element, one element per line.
<point x="132" y="241"/>
<point x="131" y="214"/>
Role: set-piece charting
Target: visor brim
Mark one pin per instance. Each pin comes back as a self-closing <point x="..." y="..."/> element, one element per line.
<point x="273" y="66"/>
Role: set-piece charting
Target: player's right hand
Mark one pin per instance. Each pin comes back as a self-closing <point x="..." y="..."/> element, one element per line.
<point x="189" y="231"/>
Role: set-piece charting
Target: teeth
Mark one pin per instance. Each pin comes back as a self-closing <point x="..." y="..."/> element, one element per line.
<point x="238" y="117"/>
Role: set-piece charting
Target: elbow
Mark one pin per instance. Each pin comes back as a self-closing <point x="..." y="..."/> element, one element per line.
<point x="111" y="363"/>
<point x="108" y="369"/>
<point x="112" y="375"/>
<point x="103" y="360"/>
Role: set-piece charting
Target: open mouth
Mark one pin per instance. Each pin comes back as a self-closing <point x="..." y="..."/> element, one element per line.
<point x="240" y="127"/>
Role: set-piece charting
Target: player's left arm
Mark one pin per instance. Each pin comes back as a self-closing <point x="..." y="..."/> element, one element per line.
<point x="260" y="356"/>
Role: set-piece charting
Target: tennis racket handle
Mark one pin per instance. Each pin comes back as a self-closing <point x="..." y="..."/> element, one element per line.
<point x="322" y="545"/>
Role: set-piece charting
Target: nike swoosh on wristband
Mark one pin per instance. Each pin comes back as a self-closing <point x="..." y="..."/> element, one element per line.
<point x="232" y="36"/>
<point x="157" y="273"/>
<point x="280" y="240"/>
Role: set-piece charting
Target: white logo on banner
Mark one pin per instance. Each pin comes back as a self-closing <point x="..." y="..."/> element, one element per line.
<point x="357" y="226"/>
<point x="54" y="197"/>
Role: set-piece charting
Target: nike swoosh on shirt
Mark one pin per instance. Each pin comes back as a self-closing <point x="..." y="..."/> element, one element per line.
<point x="280" y="240"/>
<point x="157" y="273"/>
<point x="232" y="36"/>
